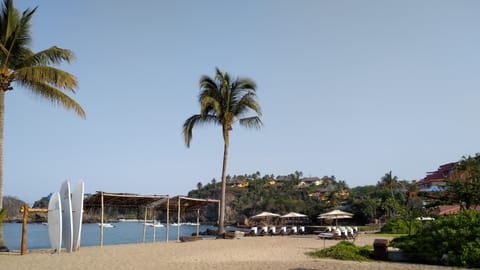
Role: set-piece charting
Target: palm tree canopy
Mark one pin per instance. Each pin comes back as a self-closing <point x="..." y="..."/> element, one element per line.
<point x="33" y="71"/>
<point x="388" y="181"/>
<point x="224" y="101"/>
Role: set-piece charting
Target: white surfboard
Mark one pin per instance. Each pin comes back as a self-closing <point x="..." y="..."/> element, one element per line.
<point x="67" y="222"/>
<point x="55" y="222"/>
<point x="77" y="213"/>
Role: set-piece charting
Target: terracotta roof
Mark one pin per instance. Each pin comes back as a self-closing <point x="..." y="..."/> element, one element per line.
<point x="443" y="172"/>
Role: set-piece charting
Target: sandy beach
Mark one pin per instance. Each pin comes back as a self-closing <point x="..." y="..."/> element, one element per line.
<point x="244" y="253"/>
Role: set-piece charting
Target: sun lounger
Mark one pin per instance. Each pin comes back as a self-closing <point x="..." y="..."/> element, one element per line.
<point x="336" y="235"/>
<point x="273" y="231"/>
<point x="263" y="230"/>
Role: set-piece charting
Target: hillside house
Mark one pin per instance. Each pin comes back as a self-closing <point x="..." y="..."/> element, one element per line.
<point x="436" y="180"/>
<point x="310" y="181"/>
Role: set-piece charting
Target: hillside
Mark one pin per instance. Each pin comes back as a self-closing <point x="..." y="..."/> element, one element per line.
<point x="248" y="195"/>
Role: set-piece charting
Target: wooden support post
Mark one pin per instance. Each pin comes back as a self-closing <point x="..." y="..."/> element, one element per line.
<point x="153" y="222"/>
<point x="24" y="229"/>
<point x="26" y="210"/>
<point x="167" y="231"/>
<point x="178" y="219"/>
<point x="198" y="222"/>
<point x="218" y="215"/>
<point x="101" y="221"/>
<point x="145" y="224"/>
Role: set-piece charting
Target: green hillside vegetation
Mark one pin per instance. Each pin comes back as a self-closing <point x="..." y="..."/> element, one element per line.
<point x="248" y="195"/>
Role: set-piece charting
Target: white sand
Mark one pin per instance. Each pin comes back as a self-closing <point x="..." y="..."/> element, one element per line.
<point x="246" y="253"/>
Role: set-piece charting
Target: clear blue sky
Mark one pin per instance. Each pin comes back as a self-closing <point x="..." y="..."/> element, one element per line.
<point x="348" y="88"/>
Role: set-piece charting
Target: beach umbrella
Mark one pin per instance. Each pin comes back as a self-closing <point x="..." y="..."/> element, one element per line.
<point x="293" y="216"/>
<point x="264" y="215"/>
<point x="335" y="214"/>
<point x="267" y="216"/>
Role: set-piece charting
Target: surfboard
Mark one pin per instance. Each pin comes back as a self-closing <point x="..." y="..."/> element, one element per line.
<point x="55" y="222"/>
<point x="67" y="222"/>
<point x="77" y="213"/>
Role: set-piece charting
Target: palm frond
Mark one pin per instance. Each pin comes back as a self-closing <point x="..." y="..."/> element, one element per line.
<point x="52" y="55"/>
<point x="193" y="121"/>
<point x="54" y="95"/>
<point x="210" y="105"/>
<point x="246" y="103"/>
<point x="209" y="88"/>
<point x="15" y="34"/>
<point x="251" y="122"/>
<point x="48" y="75"/>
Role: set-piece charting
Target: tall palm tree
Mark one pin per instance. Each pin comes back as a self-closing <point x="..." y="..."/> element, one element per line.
<point x="389" y="182"/>
<point x="224" y="101"/>
<point x="20" y="66"/>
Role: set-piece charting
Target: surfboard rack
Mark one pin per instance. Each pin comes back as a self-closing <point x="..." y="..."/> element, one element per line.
<point x="26" y="210"/>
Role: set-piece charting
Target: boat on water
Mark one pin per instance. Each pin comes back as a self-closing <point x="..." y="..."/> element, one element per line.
<point x="106" y="225"/>
<point x="184" y="224"/>
<point x="157" y="225"/>
<point x="129" y="220"/>
<point x="190" y="224"/>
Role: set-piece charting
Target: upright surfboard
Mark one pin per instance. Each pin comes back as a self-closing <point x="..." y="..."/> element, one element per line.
<point x="77" y="213"/>
<point x="67" y="222"/>
<point x="55" y="222"/>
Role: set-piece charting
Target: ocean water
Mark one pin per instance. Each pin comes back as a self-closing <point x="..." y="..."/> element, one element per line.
<point x="121" y="233"/>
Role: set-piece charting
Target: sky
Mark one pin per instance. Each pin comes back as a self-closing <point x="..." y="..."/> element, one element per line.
<point x="348" y="88"/>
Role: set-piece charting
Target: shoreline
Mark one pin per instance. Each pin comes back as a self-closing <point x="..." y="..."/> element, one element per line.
<point x="267" y="252"/>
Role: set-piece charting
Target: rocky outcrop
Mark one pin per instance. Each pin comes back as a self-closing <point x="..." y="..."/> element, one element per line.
<point x="13" y="206"/>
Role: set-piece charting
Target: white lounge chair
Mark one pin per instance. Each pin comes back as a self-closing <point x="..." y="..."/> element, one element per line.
<point x="283" y="230"/>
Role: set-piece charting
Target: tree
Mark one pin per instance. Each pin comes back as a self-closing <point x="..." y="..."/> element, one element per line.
<point x="224" y="101"/>
<point x="464" y="185"/>
<point x="33" y="71"/>
<point x="410" y="212"/>
<point x="389" y="182"/>
<point x="199" y="186"/>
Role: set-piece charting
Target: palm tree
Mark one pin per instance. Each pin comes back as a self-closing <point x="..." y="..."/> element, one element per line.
<point x="224" y="101"/>
<point x="389" y="182"/>
<point x="35" y="72"/>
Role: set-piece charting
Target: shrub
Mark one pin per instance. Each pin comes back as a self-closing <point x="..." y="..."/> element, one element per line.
<point x="344" y="250"/>
<point x="456" y="236"/>
<point x="399" y="226"/>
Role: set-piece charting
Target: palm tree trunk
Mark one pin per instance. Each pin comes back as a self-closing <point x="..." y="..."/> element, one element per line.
<point x="3" y="246"/>
<point x="221" y="223"/>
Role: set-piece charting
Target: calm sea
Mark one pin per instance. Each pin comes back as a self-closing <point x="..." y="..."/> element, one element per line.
<point x="121" y="233"/>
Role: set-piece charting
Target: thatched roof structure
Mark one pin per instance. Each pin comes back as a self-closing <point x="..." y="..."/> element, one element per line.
<point x="126" y="200"/>
<point x="187" y="204"/>
<point x="157" y="202"/>
<point x="153" y="202"/>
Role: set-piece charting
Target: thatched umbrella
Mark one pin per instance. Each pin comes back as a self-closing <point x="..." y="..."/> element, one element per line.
<point x="267" y="216"/>
<point x="294" y="217"/>
<point x="335" y="214"/>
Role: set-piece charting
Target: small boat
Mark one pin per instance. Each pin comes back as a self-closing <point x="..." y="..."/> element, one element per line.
<point x="191" y="224"/>
<point x="106" y="225"/>
<point x="129" y="220"/>
<point x="157" y="225"/>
